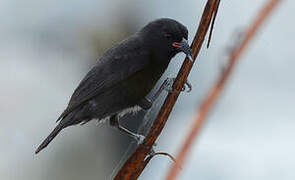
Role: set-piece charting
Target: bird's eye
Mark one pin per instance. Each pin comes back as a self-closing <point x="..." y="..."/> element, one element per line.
<point x="168" y="36"/>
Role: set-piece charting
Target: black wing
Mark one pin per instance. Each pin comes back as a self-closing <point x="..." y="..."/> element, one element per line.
<point x="115" y="65"/>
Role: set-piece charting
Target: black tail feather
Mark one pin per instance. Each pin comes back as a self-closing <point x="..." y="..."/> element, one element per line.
<point x="51" y="136"/>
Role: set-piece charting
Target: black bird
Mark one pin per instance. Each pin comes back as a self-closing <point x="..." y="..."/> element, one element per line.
<point x="123" y="76"/>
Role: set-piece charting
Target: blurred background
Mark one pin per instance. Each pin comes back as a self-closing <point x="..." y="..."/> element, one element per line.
<point x="48" y="46"/>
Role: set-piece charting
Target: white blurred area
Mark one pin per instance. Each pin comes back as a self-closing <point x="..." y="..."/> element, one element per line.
<point x="47" y="47"/>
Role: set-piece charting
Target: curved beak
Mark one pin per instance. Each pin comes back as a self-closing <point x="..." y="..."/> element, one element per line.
<point x="184" y="47"/>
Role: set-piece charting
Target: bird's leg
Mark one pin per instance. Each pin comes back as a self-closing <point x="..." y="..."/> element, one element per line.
<point x="145" y="103"/>
<point x="114" y="121"/>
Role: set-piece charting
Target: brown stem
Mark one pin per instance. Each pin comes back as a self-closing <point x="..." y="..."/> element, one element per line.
<point x="136" y="163"/>
<point x="211" y="99"/>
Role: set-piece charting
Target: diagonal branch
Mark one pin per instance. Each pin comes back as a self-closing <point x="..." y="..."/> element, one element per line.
<point x="211" y="99"/>
<point x="134" y="166"/>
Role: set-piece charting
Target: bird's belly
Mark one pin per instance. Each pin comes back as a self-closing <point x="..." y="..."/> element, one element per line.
<point x="133" y="110"/>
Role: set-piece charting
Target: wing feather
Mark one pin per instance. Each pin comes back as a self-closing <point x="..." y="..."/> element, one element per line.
<point x="115" y="65"/>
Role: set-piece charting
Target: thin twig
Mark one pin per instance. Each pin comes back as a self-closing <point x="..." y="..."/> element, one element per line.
<point x="134" y="166"/>
<point x="211" y="99"/>
<point x="213" y="22"/>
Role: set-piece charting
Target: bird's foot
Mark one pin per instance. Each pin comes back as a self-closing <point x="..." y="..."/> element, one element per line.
<point x="139" y="138"/>
<point x="169" y="86"/>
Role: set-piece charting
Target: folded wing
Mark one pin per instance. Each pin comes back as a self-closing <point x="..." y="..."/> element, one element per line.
<point x="117" y="64"/>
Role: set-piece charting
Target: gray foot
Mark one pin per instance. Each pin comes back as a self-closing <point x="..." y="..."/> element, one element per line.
<point x="169" y="83"/>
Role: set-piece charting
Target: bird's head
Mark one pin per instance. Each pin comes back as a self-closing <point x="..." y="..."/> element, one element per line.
<point x="166" y="37"/>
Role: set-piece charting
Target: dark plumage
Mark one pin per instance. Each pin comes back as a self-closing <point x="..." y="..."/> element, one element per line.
<point x="124" y="75"/>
